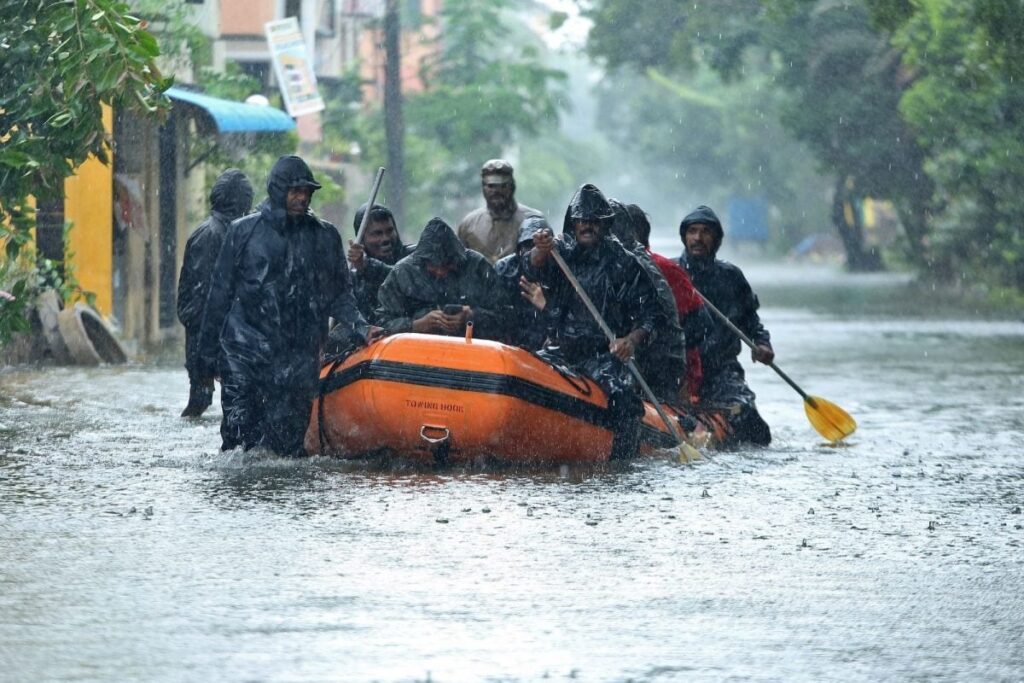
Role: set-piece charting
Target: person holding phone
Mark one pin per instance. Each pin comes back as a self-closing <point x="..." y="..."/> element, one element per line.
<point x="440" y="287"/>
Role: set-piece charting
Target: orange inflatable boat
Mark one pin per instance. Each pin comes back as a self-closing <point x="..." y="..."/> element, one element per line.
<point x="437" y="398"/>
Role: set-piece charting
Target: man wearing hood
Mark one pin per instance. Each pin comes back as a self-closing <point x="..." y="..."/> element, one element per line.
<point x="694" y="317"/>
<point x="662" y="362"/>
<point x="623" y="294"/>
<point x="440" y="287"/>
<point x="494" y="229"/>
<point x="230" y="198"/>
<point x="280" y="277"/>
<point x="725" y="286"/>
<point x="372" y="260"/>
<point x="532" y="316"/>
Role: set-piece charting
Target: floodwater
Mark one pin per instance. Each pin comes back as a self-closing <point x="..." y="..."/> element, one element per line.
<point x="132" y="550"/>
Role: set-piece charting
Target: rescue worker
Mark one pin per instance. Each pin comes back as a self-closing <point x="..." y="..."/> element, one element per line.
<point x="624" y="296"/>
<point x="230" y="198"/>
<point x="694" y="317"/>
<point x="725" y="286"/>
<point x="440" y="287"/>
<point x="663" y="361"/>
<point x="371" y="261"/>
<point x="531" y="317"/>
<point x="493" y="229"/>
<point x="280" y="277"/>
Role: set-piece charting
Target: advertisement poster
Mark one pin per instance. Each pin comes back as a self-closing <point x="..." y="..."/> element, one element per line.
<point x="293" y="67"/>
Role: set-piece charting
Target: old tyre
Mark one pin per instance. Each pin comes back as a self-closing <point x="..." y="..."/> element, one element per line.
<point x="88" y="339"/>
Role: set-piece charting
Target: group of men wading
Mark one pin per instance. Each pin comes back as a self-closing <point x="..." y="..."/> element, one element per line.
<point x="264" y="295"/>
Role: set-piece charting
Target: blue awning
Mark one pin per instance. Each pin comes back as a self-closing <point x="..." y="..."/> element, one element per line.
<point x="227" y="116"/>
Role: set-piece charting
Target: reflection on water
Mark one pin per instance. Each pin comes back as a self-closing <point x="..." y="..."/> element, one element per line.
<point x="131" y="548"/>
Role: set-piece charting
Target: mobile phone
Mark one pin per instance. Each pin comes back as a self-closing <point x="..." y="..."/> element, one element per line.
<point x="452" y="309"/>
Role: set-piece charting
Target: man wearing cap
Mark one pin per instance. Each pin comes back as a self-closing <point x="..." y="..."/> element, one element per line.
<point x="725" y="286"/>
<point x="493" y="229"/>
<point x="280" y="277"/>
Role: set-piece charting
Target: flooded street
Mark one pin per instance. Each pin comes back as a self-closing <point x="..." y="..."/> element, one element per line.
<point x="131" y="549"/>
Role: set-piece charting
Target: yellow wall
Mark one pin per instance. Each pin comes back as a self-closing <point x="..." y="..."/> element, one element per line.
<point x="89" y="206"/>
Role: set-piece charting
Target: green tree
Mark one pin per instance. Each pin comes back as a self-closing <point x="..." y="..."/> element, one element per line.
<point x="486" y="89"/>
<point x="965" y="66"/>
<point x="837" y="75"/>
<point x="60" y="61"/>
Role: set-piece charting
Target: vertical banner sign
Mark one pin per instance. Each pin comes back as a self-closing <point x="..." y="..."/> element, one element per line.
<point x="293" y="68"/>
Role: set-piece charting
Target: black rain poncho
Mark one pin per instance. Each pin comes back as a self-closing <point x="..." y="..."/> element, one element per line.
<point x="529" y="327"/>
<point x="662" y="362"/>
<point x="410" y="291"/>
<point x="278" y="281"/>
<point x="623" y="294"/>
<point x="230" y="198"/>
<point x="725" y="286"/>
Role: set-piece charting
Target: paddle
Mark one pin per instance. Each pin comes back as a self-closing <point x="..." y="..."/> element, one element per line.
<point x="831" y="421"/>
<point x="369" y="205"/>
<point x="686" y="451"/>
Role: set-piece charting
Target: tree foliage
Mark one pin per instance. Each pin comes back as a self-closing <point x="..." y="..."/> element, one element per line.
<point x="916" y="101"/>
<point x="965" y="64"/>
<point x="834" y="85"/>
<point x="486" y="88"/>
<point x="60" y="62"/>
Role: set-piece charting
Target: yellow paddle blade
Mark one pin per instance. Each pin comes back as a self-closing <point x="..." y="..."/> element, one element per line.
<point x="687" y="453"/>
<point x="831" y="421"/>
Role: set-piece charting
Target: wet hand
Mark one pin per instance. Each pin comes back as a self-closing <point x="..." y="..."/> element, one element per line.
<point x="623" y="348"/>
<point x="432" y="322"/>
<point x="455" y="323"/>
<point x="374" y="333"/>
<point x="543" y="241"/>
<point x="533" y="293"/>
<point x="356" y="255"/>
<point x="762" y="354"/>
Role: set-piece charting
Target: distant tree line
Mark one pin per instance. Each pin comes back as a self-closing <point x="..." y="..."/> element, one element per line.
<point x="916" y="102"/>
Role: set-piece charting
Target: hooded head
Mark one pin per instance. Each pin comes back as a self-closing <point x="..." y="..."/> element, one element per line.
<point x="288" y="172"/>
<point x="379" y="213"/>
<point x="381" y="238"/>
<point x="527" y="228"/>
<point x="622" y="224"/>
<point x="703" y="214"/>
<point x="231" y="194"/>
<point x="641" y="224"/>
<point x="439" y="247"/>
<point x="589" y="205"/>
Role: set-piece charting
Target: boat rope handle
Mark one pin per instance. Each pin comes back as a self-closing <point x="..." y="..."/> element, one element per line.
<point x="433" y="440"/>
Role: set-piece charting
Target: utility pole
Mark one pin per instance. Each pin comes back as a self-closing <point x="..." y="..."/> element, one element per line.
<point x="394" y="126"/>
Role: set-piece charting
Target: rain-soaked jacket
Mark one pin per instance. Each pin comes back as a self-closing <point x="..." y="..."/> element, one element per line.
<point x="618" y="285"/>
<point x="662" y="362"/>
<point x="410" y="292"/>
<point x="623" y="294"/>
<point x="725" y="286"/>
<point x="277" y="281"/>
<point x="230" y="198"/>
<point x="530" y="327"/>
<point x="367" y="281"/>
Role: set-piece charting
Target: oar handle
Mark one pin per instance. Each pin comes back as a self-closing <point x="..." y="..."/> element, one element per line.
<point x="611" y="338"/>
<point x="369" y="205"/>
<point x="746" y="340"/>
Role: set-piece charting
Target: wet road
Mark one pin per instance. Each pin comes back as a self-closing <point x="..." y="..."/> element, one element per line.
<point x="130" y="549"/>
